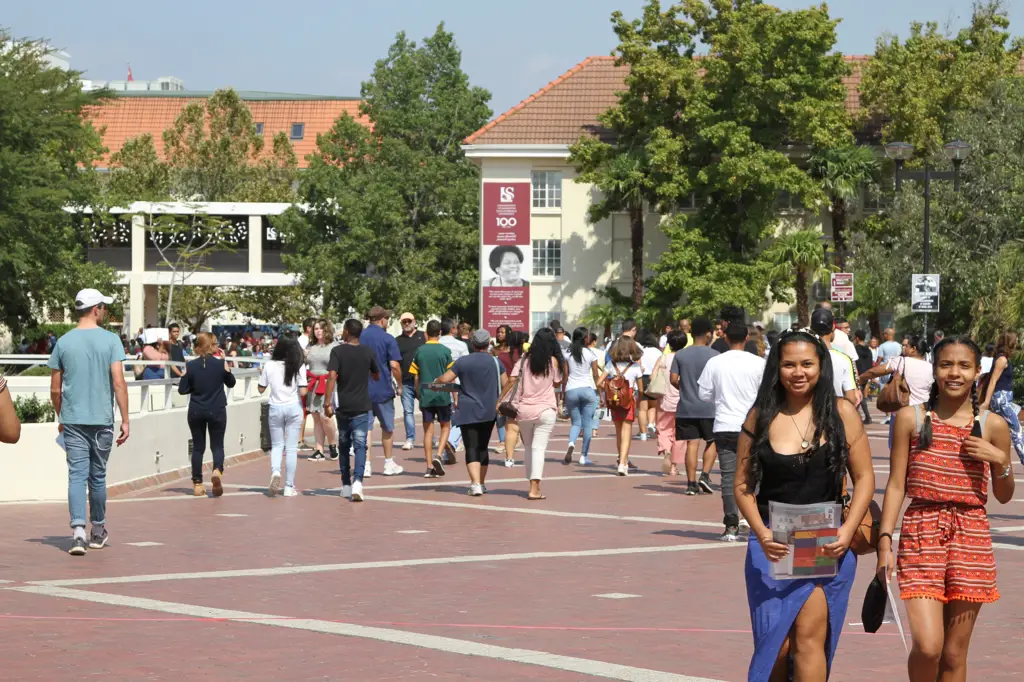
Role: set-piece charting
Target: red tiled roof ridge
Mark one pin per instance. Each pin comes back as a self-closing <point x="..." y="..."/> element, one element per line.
<point x="576" y="69"/>
<point x="519" y="107"/>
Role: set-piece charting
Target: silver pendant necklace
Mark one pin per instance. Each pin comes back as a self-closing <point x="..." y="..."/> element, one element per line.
<point x="804" y="443"/>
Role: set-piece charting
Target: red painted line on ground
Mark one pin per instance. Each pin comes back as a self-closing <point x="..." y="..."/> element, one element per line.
<point x="573" y="628"/>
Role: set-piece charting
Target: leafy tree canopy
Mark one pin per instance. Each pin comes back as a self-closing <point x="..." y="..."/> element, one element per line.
<point x="392" y="203"/>
<point x="47" y="151"/>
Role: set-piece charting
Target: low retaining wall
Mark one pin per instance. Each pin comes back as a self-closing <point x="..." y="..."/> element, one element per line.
<point x="156" y="452"/>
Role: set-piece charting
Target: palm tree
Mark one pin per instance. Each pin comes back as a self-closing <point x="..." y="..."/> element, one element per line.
<point x="842" y="172"/>
<point x="798" y="259"/>
<point x="604" y="315"/>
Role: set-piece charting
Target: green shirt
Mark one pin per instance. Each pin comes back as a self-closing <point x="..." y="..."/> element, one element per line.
<point x="430" y="362"/>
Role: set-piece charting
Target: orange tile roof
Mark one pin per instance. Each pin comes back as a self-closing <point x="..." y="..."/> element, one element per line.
<point x="131" y="116"/>
<point x="566" y="107"/>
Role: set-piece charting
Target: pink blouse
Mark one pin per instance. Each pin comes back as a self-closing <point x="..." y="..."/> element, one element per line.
<point x="535" y="394"/>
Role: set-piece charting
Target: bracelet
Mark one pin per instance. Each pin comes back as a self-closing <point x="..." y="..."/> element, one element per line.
<point x="885" y="535"/>
<point x="1006" y="471"/>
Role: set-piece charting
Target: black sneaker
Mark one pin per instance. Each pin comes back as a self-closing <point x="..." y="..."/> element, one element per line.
<point x="704" y="483"/>
<point x="98" y="540"/>
<point x="333" y="450"/>
<point x="568" y="453"/>
<point x="78" y="547"/>
<point x="437" y="466"/>
<point x="631" y="466"/>
<point x="317" y="456"/>
<point x="449" y="454"/>
<point x="731" y="534"/>
<point x="692" y="489"/>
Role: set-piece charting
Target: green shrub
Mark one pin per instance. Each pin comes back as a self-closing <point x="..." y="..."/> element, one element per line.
<point x="32" y="410"/>
<point x="36" y="371"/>
<point x="34" y="332"/>
<point x="1018" y="380"/>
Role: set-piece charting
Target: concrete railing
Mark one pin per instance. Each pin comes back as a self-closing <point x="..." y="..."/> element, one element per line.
<point x="158" y="449"/>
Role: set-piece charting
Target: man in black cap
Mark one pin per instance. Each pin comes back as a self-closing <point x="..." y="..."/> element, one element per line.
<point x="844" y="375"/>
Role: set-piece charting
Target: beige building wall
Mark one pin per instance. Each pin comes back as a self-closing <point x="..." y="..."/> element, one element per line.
<point x="598" y="255"/>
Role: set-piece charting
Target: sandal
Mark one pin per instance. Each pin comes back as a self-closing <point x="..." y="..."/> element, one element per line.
<point x="537" y="498"/>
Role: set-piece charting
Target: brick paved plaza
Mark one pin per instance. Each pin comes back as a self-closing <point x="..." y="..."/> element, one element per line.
<point x="609" y="578"/>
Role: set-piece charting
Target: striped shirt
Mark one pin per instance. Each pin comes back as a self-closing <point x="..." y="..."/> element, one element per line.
<point x="944" y="472"/>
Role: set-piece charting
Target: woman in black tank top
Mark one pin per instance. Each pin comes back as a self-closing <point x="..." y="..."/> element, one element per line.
<point x="797" y="445"/>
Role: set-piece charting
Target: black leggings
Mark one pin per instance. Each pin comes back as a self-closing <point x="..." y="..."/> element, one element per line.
<point x="199" y="422"/>
<point x="476" y="437"/>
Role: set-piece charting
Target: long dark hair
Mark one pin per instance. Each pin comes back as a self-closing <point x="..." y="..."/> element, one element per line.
<point x="290" y="353"/>
<point x="515" y="341"/>
<point x="543" y="348"/>
<point x="825" y="410"/>
<point x="919" y="344"/>
<point x="924" y="439"/>
<point x="580" y="336"/>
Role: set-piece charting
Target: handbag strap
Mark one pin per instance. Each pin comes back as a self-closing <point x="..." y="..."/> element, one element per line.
<point x="519" y="378"/>
<point x="497" y="367"/>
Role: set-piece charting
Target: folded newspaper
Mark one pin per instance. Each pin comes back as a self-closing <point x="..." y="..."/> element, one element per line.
<point x="806" y="528"/>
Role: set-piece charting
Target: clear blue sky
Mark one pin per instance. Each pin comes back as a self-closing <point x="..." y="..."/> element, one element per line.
<point x="328" y="47"/>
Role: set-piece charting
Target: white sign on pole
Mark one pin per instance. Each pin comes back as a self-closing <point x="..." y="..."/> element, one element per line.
<point x="842" y="287"/>
<point x="924" y="293"/>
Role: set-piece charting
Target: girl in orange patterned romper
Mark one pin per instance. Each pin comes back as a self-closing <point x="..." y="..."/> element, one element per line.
<point x="943" y="455"/>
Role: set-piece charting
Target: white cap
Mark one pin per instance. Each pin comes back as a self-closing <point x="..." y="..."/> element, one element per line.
<point x="87" y="298"/>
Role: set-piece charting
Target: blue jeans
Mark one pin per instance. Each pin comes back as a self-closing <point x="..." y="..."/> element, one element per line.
<point x="581" y="404"/>
<point x="501" y="428"/>
<point x="1002" y="404"/>
<point x="88" y="449"/>
<point x="352" y="435"/>
<point x="285" y="424"/>
<point x="409" y="409"/>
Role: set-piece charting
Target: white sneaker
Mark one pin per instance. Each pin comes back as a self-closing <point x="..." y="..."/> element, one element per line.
<point x="585" y="461"/>
<point x="392" y="469"/>
<point x="435" y="442"/>
<point x="275" y="483"/>
<point x="408" y="445"/>
<point x="476" y="490"/>
<point x="643" y="436"/>
<point x="346" y="492"/>
<point x="744" y="525"/>
<point x="622" y="470"/>
<point x="290" y="492"/>
<point x="368" y="469"/>
<point x="357" y="492"/>
<point x="510" y="463"/>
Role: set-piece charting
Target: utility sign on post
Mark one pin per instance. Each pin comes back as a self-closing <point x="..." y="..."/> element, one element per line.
<point x="842" y="287"/>
<point x="924" y="293"/>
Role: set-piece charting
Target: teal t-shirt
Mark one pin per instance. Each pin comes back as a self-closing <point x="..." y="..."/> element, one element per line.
<point x="84" y="357"/>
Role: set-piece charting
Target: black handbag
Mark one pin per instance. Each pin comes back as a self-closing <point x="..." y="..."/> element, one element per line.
<point x="872" y="613"/>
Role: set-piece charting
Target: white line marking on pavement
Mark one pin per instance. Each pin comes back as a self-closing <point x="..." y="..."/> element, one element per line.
<point x="412" y="532"/>
<point x="1008" y="529"/>
<point x="6" y="582"/>
<point x="656" y="494"/>
<point x="445" y="482"/>
<point x="616" y="595"/>
<point x="231" y="516"/>
<point x="547" y="512"/>
<point x="145" y="544"/>
<point x="123" y="500"/>
<point x="571" y="664"/>
<point x="399" y="563"/>
<point x="1004" y="545"/>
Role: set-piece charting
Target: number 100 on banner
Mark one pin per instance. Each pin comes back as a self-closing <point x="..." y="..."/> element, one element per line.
<point x="506" y="218"/>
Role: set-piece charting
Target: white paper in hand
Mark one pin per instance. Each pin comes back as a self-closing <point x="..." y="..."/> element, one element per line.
<point x="60" y="442"/>
<point x="892" y="614"/>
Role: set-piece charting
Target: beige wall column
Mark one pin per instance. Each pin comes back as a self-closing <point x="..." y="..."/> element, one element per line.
<point x="255" y="245"/>
<point x="152" y="306"/>
<point x="136" y="300"/>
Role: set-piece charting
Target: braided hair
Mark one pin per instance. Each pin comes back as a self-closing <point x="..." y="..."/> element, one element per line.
<point x="924" y="438"/>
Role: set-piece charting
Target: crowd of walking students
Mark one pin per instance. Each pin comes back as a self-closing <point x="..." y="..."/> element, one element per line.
<point x="779" y="415"/>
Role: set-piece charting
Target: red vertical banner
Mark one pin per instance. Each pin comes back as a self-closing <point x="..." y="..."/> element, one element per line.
<point x="505" y="256"/>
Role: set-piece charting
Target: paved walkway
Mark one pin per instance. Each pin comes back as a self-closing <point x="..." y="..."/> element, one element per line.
<point x="609" y="578"/>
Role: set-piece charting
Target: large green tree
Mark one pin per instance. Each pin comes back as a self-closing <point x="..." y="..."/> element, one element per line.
<point x="723" y="133"/>
<point x="391" y="213"/>
<point x="916" y="84"/>
<point x="47" y="152"/>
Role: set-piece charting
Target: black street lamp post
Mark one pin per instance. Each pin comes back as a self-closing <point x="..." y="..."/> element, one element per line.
<point x="901" y="152"/>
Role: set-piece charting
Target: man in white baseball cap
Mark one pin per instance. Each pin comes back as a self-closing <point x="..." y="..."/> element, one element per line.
<point x="87" y="375"/>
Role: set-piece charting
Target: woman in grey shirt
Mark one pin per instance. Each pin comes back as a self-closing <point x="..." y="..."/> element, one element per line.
<point x="318" y="354"/>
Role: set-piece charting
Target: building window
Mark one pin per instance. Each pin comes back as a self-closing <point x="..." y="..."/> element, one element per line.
<point x="783" y="321"/>
<point x="298" y="131"/>
<point x="540" y="320"/>
<point x="259" y="128"/>
<point x="547" y="257"/>
<point x="547" y="189"/>
<point x="787" y="202"/>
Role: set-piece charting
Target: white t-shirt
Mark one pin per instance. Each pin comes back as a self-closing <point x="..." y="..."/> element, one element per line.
<point x="918" y="374"/>
<point x="303" y="342"/>
<point x="580" y="373"/>
<point x="731" y="381"/>
<point x="648" y="359"/>
<point x="986" y="365"/>
<point x="272" y="377"/>
<point x="841" y="342"/>
<point x="632" y="371"/>
<point x="663" y="341"/>
<point x="842" y="373"/>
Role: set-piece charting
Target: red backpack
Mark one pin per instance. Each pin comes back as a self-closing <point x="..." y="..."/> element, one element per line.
<point x="618" y="392"/>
